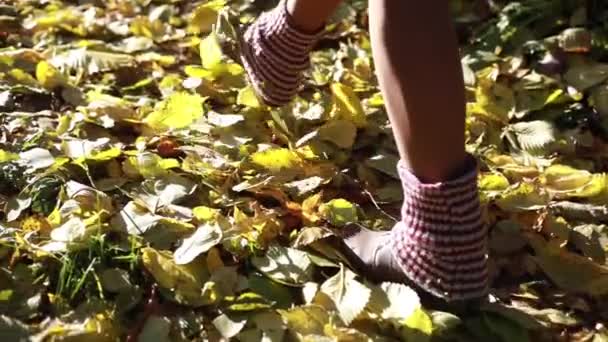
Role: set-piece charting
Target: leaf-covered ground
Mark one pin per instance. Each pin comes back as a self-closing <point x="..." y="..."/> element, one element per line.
<point x="147" y="195"/>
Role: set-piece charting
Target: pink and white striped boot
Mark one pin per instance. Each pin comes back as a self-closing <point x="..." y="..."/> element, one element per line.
<point x="440" y="244"/>
<point x="275" y="53"/>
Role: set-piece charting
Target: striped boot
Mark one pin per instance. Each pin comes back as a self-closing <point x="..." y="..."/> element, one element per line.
<point x="275" y="54"/>
<point x="440" y="244"/>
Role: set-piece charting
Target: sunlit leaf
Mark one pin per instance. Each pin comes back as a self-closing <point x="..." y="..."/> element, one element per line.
<point x="205" y="237"/>
<point x="309" y="319"/>
<point x="285" y="265"/>
<point x="339" y="212"/>
<point x="37" y="158"/>
<point x="277" y="160"/>
<point x="348" y="295"/>
<point x="204" y="16"/>
<point x="7" y="156"/>
<point x="534" y="137"/>
<point x="179" y="110"/>
<point x="49" y="77"/>
<point x="186" y="281"/>
<point x="524" y="196"/>
<point x="418" y="326"/>
<point x="247" y="97"/>
<point x="90" y="61"/>
<point x="229" y="327"/>
<point x="347" y="105"/>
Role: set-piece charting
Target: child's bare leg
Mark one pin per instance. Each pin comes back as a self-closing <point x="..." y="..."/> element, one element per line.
<point x="416" y="55"/>
<point x="440" y="243"/>
<point x="311" y="15"/>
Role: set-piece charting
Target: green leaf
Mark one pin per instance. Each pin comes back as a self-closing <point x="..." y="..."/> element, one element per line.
<point x="156" y="329"/>
<point x="305" y="186"/>
<point x="248" y="97"/>
<point x="115" y="280"/>
<point x="586" y="76"/>
<point x="444" y="322"/>
<point x="507" y="330"/>
<point x="522" y="197"/>
<point x="386" y="163"/>
<point x="340" y="132"/>
<point x="587" y="240"/>
<point x="17" y="205"/>
<point x="247" y="302"/>
<point x="271" y="290"/>
<point x="185" y="281"/>
<point x="13" y="330"/>
<point x="135" y="220"/>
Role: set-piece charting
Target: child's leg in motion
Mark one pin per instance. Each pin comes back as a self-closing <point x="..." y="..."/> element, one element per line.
<point x="276" y="47"/>
<point x="440" y="242"/>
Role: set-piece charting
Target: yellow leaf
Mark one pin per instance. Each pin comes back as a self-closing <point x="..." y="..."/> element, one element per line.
<point x="199" y="72"/>
<point x="419" y="326"/>
<point x="596" y="190"/>
<point x="23" y="77"/>
<point x="565" y="180"/>
<point x="211" y="52"/>
<point x="347" y="105"/>
<point x="148" y="165"/>
<point x="214" y="261"/>
<point x="205" y="214"/>
<point x="570" y="271"/>
<point x="204" y="16"/>
<point x="309" y="208"/>
<point x="277" y="160"/>
<point x="494" y="99"/>
<point x="339" y="212"/>
<point x="522" y="197"/>
<point x="247" y="97"/>
<point x="511" y="168"/>
<point x="493" y="182"/>
<point x="186" y="281"/>
<point x="48" y="76"/>
<point x="180" y="110"/>
<point x="7" y="156"/>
